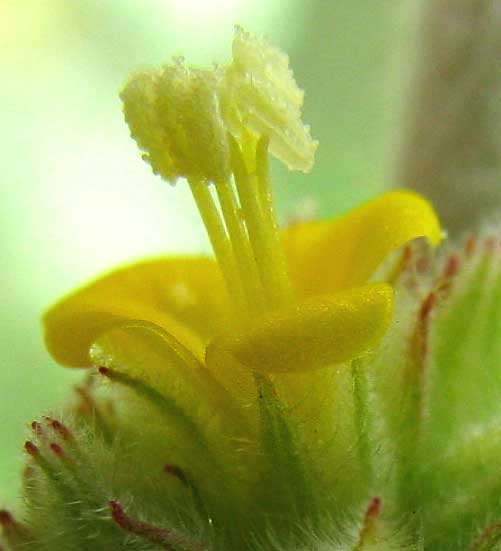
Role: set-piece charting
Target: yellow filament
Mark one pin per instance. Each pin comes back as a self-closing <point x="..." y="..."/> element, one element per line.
<point x="269" y="221"/>
<point x="220" y="243"/>
<point x="262" y="233"/>
<point x="246" y="266"/>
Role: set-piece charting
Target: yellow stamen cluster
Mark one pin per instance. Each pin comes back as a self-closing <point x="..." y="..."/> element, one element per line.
<point x="216" y="126"/>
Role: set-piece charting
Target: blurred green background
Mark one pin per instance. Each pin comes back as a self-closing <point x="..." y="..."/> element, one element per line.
<point x="75" y="197"/>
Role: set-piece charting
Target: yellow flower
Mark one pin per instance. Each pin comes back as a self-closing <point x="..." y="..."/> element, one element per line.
<point x="278" y="313"/>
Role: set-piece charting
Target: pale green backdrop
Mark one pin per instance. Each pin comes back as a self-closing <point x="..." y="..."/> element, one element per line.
<point x="75" y="197"/>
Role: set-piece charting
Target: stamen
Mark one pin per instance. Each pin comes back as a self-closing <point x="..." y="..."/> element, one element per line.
<point x="219" y="240"/>
<point x="270" y="222"/>
<point x="247" y="269"/>
<point x="208" y="126"/>
<point x="262" y="228"/>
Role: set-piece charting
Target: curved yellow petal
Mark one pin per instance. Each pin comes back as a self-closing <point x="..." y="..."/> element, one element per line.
<point x="184" y="295"/>
<point x="319" y="332"/>
<point x="329" y="255"/>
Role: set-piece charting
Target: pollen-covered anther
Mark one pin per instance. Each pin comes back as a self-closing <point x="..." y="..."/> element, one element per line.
<point x="174" y="116"/>
<point x="180" y="116"/>
<point x="259" y="93"/>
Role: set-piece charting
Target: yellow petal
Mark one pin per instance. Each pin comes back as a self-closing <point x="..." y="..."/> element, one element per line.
<point x="319" y="332"/>
<point x="330" y="255"/>
<point x="186" y="296"/>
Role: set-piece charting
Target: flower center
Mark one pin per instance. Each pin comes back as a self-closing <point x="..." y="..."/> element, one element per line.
<point x="243" y="231"/>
